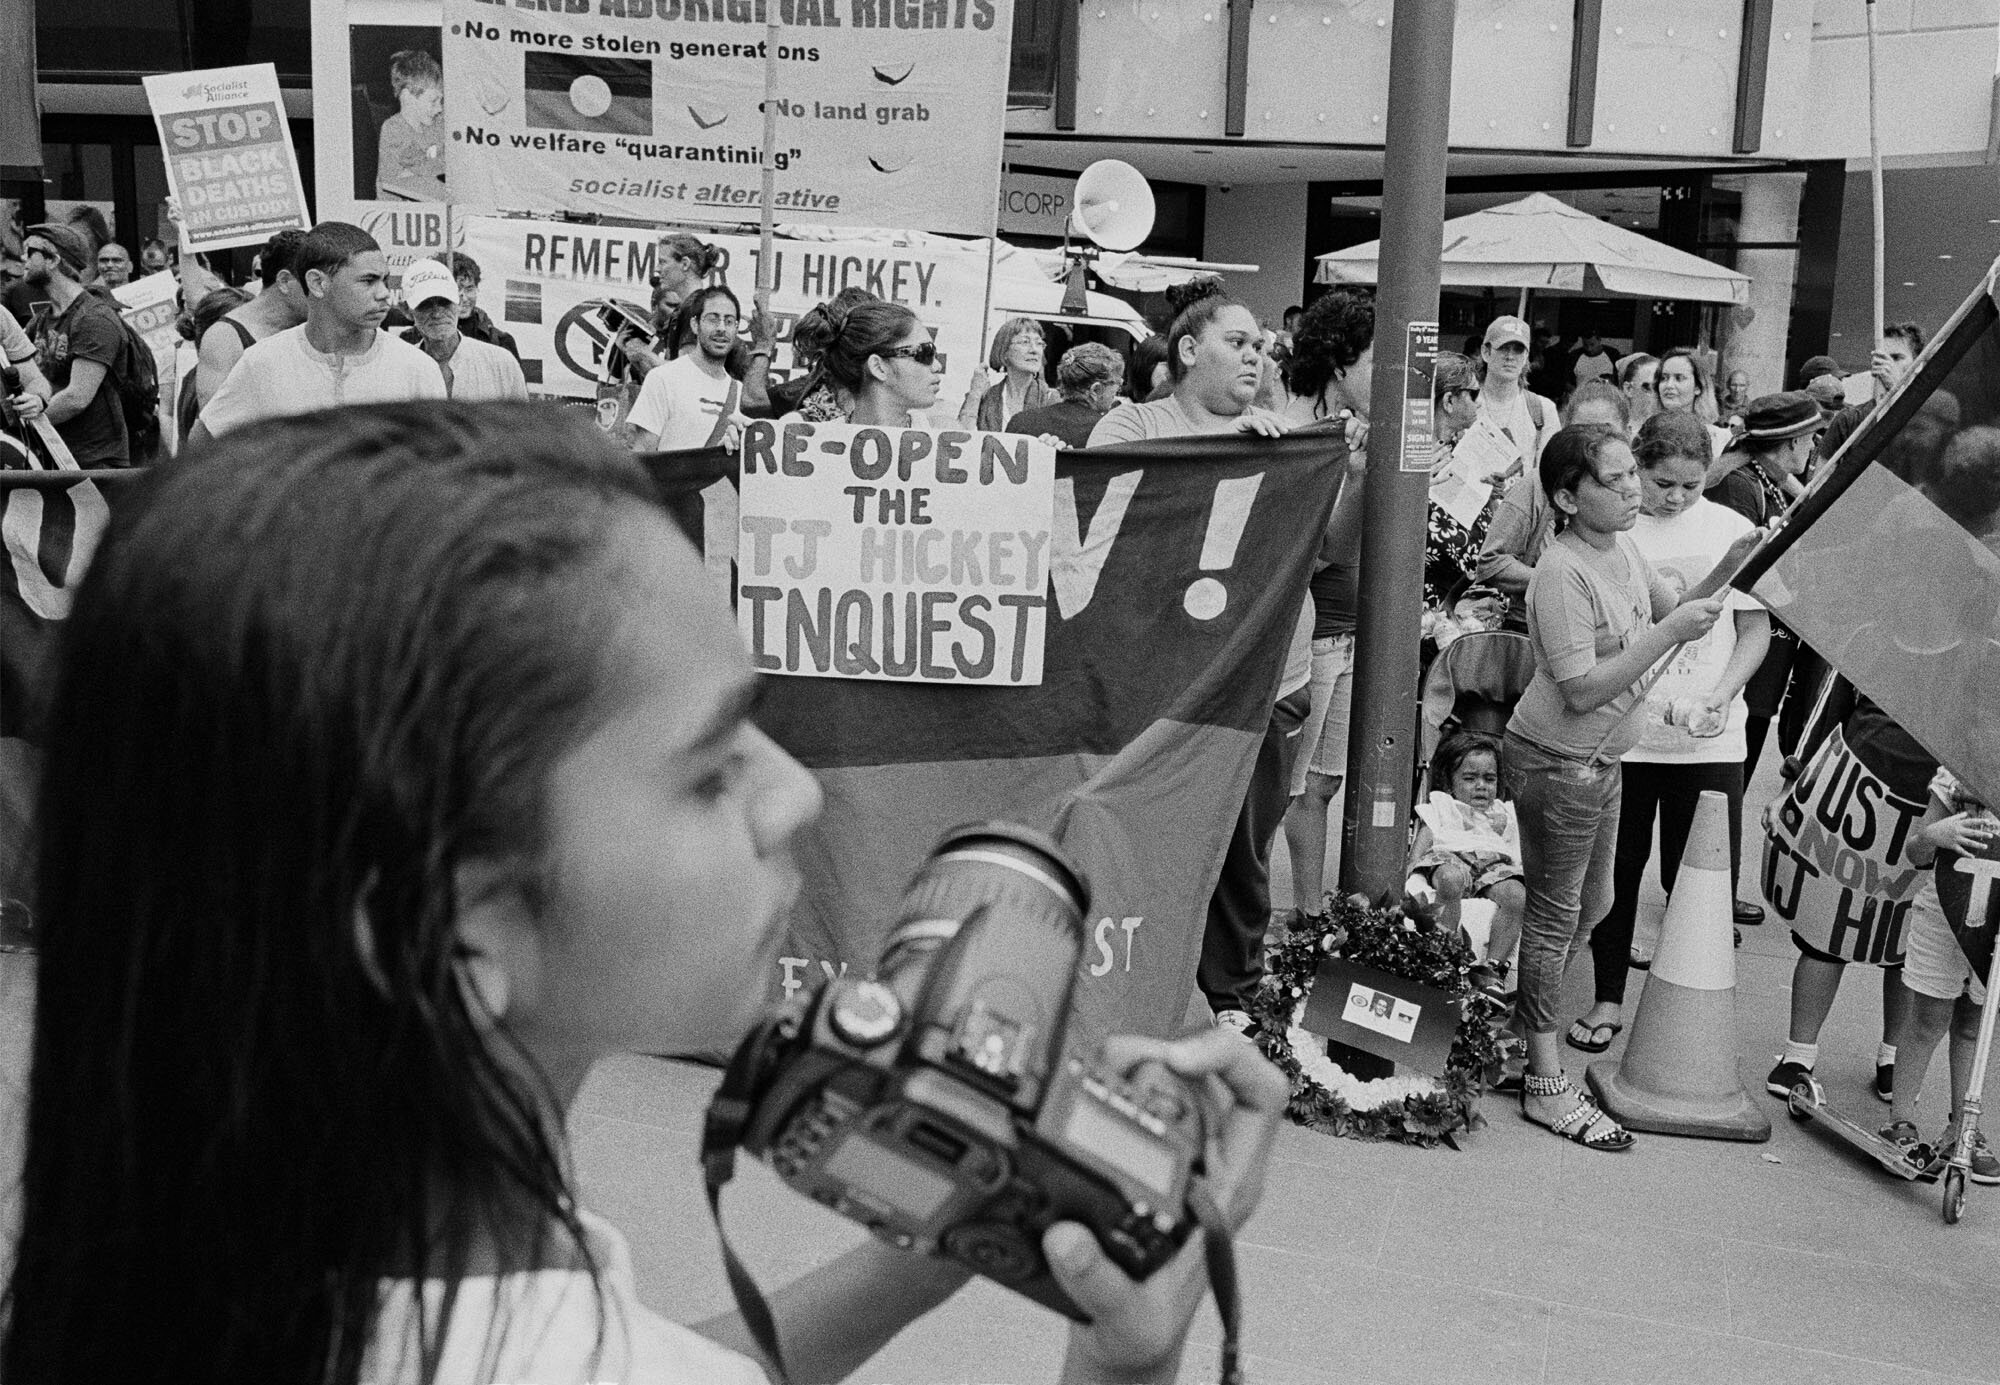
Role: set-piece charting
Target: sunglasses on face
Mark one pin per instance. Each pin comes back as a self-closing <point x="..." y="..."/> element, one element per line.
<point x="923" y="353"/>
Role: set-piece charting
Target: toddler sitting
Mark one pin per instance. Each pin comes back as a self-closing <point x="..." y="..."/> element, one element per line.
<point x="1467" y="853"/>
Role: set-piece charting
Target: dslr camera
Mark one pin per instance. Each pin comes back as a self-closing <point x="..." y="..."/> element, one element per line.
<point x="933" y="1102"/>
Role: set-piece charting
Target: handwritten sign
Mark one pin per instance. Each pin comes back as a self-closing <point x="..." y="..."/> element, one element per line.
<point x="229" y="154"/>
<point x="1836" y="858"/>
<point x="895" y="553"/>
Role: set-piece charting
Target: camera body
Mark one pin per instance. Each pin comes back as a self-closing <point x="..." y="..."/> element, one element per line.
<point x="933" y="1102"/>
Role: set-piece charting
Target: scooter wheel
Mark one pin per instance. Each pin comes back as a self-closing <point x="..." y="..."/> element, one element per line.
<point x="1800" y="1102"/>
<point x="1954" y="1195"/>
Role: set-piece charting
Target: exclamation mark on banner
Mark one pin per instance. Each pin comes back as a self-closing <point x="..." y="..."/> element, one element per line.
<point x="1206" y="597"/>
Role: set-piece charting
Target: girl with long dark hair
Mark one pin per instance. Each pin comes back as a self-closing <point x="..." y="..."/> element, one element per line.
<point x="425" y="757"/>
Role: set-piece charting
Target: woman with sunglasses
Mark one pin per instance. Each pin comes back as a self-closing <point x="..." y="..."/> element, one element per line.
<point x="1451" y="549"/>
<point x="885" y="361"/>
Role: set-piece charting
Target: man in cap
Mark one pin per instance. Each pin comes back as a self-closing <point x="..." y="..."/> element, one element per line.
<point x="79" y="341"/>
<point x="338" y="355"/>
<point x="1525" y="420"/>
<point x="471" y="369"/>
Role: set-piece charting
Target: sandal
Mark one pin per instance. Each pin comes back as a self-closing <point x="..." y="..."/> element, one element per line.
<point x="1589" y="1042"/>
<point x="1583" y="1124"/>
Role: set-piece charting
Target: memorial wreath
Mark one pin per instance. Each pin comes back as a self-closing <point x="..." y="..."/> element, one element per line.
<point x="1406" y="941"/>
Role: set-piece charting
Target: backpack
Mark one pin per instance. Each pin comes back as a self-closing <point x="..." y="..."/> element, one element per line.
<point x="137" y="378"/>
<point x="1535" y="414"/>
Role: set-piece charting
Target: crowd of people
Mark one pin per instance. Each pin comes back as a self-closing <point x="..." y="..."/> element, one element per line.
<point x="468" y="667"/>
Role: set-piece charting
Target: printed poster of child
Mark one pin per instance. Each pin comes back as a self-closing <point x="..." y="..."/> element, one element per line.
<point x="398" y="100"/>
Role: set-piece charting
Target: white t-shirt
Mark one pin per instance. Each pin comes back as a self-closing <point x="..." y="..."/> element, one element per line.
<point x="285" y="374"/>
<point x="1517" y="425"/>
<point x="680" y="404"/>
<point x="549" y="1321"/>
<point x="1683" y="550"/>
<point x="481" y="370"/>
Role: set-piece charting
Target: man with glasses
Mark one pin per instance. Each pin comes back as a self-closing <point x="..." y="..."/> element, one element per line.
<point x="472" y="369"/>
<point x="690" y="401"/>
<point x="79" y="340"/>
<point x="473" y="320"/>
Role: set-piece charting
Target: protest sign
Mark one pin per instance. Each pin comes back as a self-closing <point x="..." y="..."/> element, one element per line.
<point x="147" y="305"/>
<point x="378" y="124"/>
<point x="1836" y="858"/>
<point x="895" y="553"/>
<point x="229" y="154"/>
<point x="890" y="112"/>
<point x="547" y="281"/>
<point x="1135" y="750"/>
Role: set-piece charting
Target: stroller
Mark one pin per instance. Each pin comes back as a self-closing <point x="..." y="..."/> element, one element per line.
<point x="1472" y="685"/>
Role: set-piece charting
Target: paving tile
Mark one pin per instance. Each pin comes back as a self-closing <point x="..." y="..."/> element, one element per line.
<point x="1594" y="1348"/>
<point x="1319" y="1212"/>
<point x="1926" y="1321"/>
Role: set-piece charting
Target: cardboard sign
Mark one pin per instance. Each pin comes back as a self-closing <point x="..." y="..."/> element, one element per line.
<point x="1836" y="858"/>
<point x="898" y="554"/>
<point x="1968" y="889"/>
<point x="889" y="113"/>
<point x="1406" y="1022"/>
<point x="228" y="153"/>
<point x="148" y="305"/>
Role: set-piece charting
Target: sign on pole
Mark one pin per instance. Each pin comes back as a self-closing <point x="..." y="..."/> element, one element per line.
<point x="902" y="554"/>
<point x="229" y="154"/>
<point x="889" y="113"/>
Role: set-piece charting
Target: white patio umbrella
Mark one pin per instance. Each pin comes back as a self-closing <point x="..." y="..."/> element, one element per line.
<point x="1540" y="243"/>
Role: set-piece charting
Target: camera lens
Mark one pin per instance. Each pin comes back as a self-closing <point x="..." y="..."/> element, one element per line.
<point x="1010" y="870"/>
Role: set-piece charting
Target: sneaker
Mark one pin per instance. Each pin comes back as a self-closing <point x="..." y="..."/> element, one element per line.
<point x="1885" y="1081"/>
<point x="1985" y="1163"/>
<point x="1238" y="1020"/>
<point x="1918" y="1157"/>
<point x="1786" y="1076"/>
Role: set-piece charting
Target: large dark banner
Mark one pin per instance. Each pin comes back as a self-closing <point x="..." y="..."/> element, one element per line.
<point x="1890" y="565"/>
<point x="1136" y="750"/>
<point x="1176" y="575"/>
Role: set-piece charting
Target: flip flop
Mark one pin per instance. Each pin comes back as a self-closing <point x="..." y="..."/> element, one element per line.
<point x="1590" y="1043"/>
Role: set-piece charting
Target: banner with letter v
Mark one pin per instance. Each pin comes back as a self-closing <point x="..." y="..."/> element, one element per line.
<point x="1176" y="572"/>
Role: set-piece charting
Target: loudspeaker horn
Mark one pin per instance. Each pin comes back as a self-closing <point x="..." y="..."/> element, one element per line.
<point x="1114" y="205"/>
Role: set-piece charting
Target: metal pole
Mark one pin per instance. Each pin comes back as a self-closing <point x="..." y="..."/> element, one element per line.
<point x="1875" y="177"/>
<point x="1382" y="741"/>
<point x="767" y="213"/>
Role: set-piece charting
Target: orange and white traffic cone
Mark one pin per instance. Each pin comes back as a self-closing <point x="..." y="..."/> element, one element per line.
<point x="1678" y="1075"/>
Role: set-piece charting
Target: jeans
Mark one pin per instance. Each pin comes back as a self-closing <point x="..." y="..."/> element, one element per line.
<point x="1675" y="791"/>
<point x="1569" y="833"/>
<point x="1239" y="912"/>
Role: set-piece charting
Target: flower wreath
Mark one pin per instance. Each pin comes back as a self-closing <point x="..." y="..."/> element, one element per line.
<point x="1404" y="940"/>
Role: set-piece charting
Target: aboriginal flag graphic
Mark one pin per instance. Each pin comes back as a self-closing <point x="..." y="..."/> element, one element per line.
<point x="605" y="96"/>
<point x="1136" y="750"/>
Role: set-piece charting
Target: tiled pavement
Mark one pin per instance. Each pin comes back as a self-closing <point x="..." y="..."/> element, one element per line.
<point x="1519" y="1259"/>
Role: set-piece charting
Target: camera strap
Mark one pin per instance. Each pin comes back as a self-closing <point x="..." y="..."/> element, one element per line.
<point x="721" y="1132"/>
<point x="1219" y="1251"/>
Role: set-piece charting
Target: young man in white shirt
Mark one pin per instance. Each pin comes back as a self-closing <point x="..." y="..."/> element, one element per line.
<point x="471" y="369"/>
<point x="338" y="355"/>
<point x="1525" y="419"/>
<point x="690" y="401"/>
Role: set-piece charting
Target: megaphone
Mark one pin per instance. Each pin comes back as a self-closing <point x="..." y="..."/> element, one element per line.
<point x="1113" y="211"/>
<point x="1113" y="205"/>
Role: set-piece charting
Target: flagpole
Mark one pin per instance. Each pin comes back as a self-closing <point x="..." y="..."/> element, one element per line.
<point x="767" y="214"/>
<point x="1875" y="176"/>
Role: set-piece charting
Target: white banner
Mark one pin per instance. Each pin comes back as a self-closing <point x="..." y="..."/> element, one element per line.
<point x="378" y="125"/>
<point x="228" y="154"/>
<point x="891" y="112"/>
<point x="899" y="554"/>
<point x="547" y="282"/>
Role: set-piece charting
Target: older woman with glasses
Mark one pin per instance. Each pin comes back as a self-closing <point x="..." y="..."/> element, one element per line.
<point x="1017" y="356"/>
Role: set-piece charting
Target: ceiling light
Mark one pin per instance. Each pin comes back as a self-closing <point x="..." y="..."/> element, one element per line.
<point x="1909" y="283"/>
<point x="1944" y="257"/>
